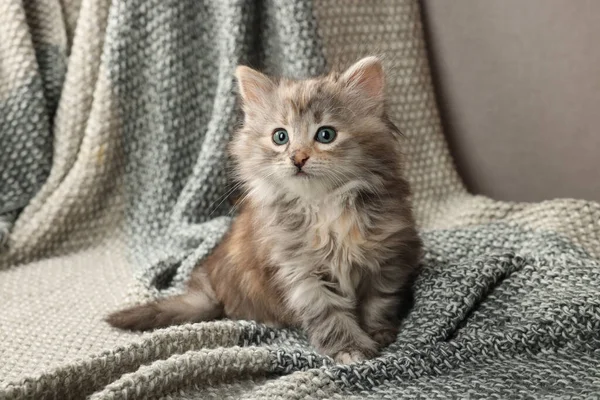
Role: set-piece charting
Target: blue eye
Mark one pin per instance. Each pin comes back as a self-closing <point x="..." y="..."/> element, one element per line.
<point x="280" y="136"/>
<point x="325" y="135"/>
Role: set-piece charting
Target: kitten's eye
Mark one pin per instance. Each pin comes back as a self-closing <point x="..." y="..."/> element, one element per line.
<point x="280" y="136"/>
<point x="325" y="135"/>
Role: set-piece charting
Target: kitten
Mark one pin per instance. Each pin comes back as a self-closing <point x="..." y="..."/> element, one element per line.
<point x="325" y="238"/>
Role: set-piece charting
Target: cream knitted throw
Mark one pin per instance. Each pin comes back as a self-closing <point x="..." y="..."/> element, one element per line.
<point x="114" y="115"/>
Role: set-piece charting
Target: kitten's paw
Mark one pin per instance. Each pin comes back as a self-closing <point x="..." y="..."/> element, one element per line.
<point x="349" y="357"/>
<point x="353" y="354"/>
<point x="385" y="337"/>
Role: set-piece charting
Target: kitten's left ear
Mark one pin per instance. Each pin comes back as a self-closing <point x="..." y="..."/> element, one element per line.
<point x="254" y="86"/>
<point x="367" y="76"/>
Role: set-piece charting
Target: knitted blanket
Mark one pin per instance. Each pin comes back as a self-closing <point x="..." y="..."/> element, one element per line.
<point x="114" y="120"/>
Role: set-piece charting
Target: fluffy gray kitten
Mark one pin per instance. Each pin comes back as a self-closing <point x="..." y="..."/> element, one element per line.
<point x="325" y="238"/>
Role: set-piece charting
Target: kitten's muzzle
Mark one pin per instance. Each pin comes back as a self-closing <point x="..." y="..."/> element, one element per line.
<point x="299" y="158"/>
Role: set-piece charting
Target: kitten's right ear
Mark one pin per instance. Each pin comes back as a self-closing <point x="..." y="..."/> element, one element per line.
<point x="367" y="76"/>
<point x="254" y="86"/>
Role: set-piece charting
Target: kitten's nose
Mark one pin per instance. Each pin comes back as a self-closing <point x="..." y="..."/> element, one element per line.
<point x="299" y="158"/>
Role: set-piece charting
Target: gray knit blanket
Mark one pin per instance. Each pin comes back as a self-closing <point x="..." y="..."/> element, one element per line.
<point x="114" y="121"/>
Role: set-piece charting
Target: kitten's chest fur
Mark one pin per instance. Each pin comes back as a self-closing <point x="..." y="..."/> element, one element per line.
<point x="331" y="240"/>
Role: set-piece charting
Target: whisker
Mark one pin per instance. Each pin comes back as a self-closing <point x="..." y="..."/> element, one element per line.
<point x="223" y="198"/>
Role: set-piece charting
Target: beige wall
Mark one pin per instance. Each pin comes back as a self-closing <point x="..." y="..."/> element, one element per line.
<point x="519" y="90"/>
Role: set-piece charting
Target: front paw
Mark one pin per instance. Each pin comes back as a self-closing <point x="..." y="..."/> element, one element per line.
<point x="355" y="354"/>
<point x="349" y="357"/>
<point x="385" y="337"/>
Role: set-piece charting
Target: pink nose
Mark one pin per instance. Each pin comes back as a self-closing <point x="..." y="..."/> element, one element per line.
<point x="299" y="158"/>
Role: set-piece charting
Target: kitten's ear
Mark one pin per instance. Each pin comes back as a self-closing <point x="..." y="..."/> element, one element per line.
<point x="367" y="76"/>
<point x="253" y="85"/>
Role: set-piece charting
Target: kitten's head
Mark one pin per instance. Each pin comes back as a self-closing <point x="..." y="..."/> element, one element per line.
<point x="308" y="138"/>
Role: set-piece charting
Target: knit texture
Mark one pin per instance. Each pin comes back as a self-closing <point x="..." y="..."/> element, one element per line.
<point x="114" y="118"/>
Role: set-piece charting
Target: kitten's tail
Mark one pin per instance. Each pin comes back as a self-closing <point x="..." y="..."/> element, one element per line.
<point x="188" y="307"/>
